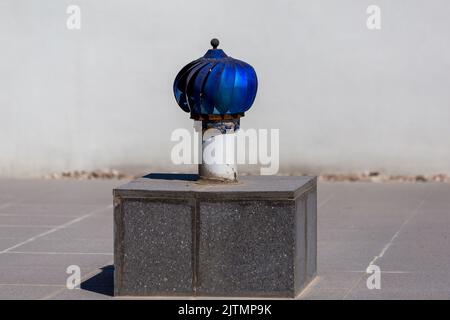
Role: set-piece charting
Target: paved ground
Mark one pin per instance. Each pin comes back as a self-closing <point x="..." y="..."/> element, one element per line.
<point x="404" y="228"/>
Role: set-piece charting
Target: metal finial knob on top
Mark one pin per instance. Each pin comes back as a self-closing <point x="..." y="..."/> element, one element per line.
<point x="215" y="43"/>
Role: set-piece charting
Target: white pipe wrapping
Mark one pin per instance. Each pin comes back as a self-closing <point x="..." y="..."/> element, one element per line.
<point x="218" y="150"/>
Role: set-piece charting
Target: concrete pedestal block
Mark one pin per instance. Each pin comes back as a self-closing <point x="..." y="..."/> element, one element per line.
<point x="174" y="235"/>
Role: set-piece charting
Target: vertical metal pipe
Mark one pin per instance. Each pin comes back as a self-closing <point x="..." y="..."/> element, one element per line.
<point x="218" y="150"/>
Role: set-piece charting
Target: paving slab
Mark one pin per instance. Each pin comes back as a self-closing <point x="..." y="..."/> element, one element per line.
<point x="20" y="233"/>
<point x="404" y="228"/>
<point x="25" y="292"/>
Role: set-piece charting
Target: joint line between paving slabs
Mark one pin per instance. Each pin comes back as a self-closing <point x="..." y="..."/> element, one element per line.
<point x="324" y="202"/>
<point x="391" y="241"/>
<point x="65" y="225"/>
<point x="62" y="253"/>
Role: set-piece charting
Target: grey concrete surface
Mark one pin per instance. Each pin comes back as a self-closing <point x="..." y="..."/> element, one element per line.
<point x="344" y="97"/>
<point x="153" y="247"/>
<point x="178" y="235"/>
<point x="45" y="226"/>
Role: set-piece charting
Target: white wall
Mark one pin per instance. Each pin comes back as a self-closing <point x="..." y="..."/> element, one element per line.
<point x="345" y="98"/>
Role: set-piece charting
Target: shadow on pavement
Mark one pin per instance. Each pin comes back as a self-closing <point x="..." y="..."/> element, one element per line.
<point x="172" y="176"/>
<point x="102" y="283"/>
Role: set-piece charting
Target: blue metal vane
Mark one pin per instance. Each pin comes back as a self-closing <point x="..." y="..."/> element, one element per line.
<point x="216" y="85"/>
